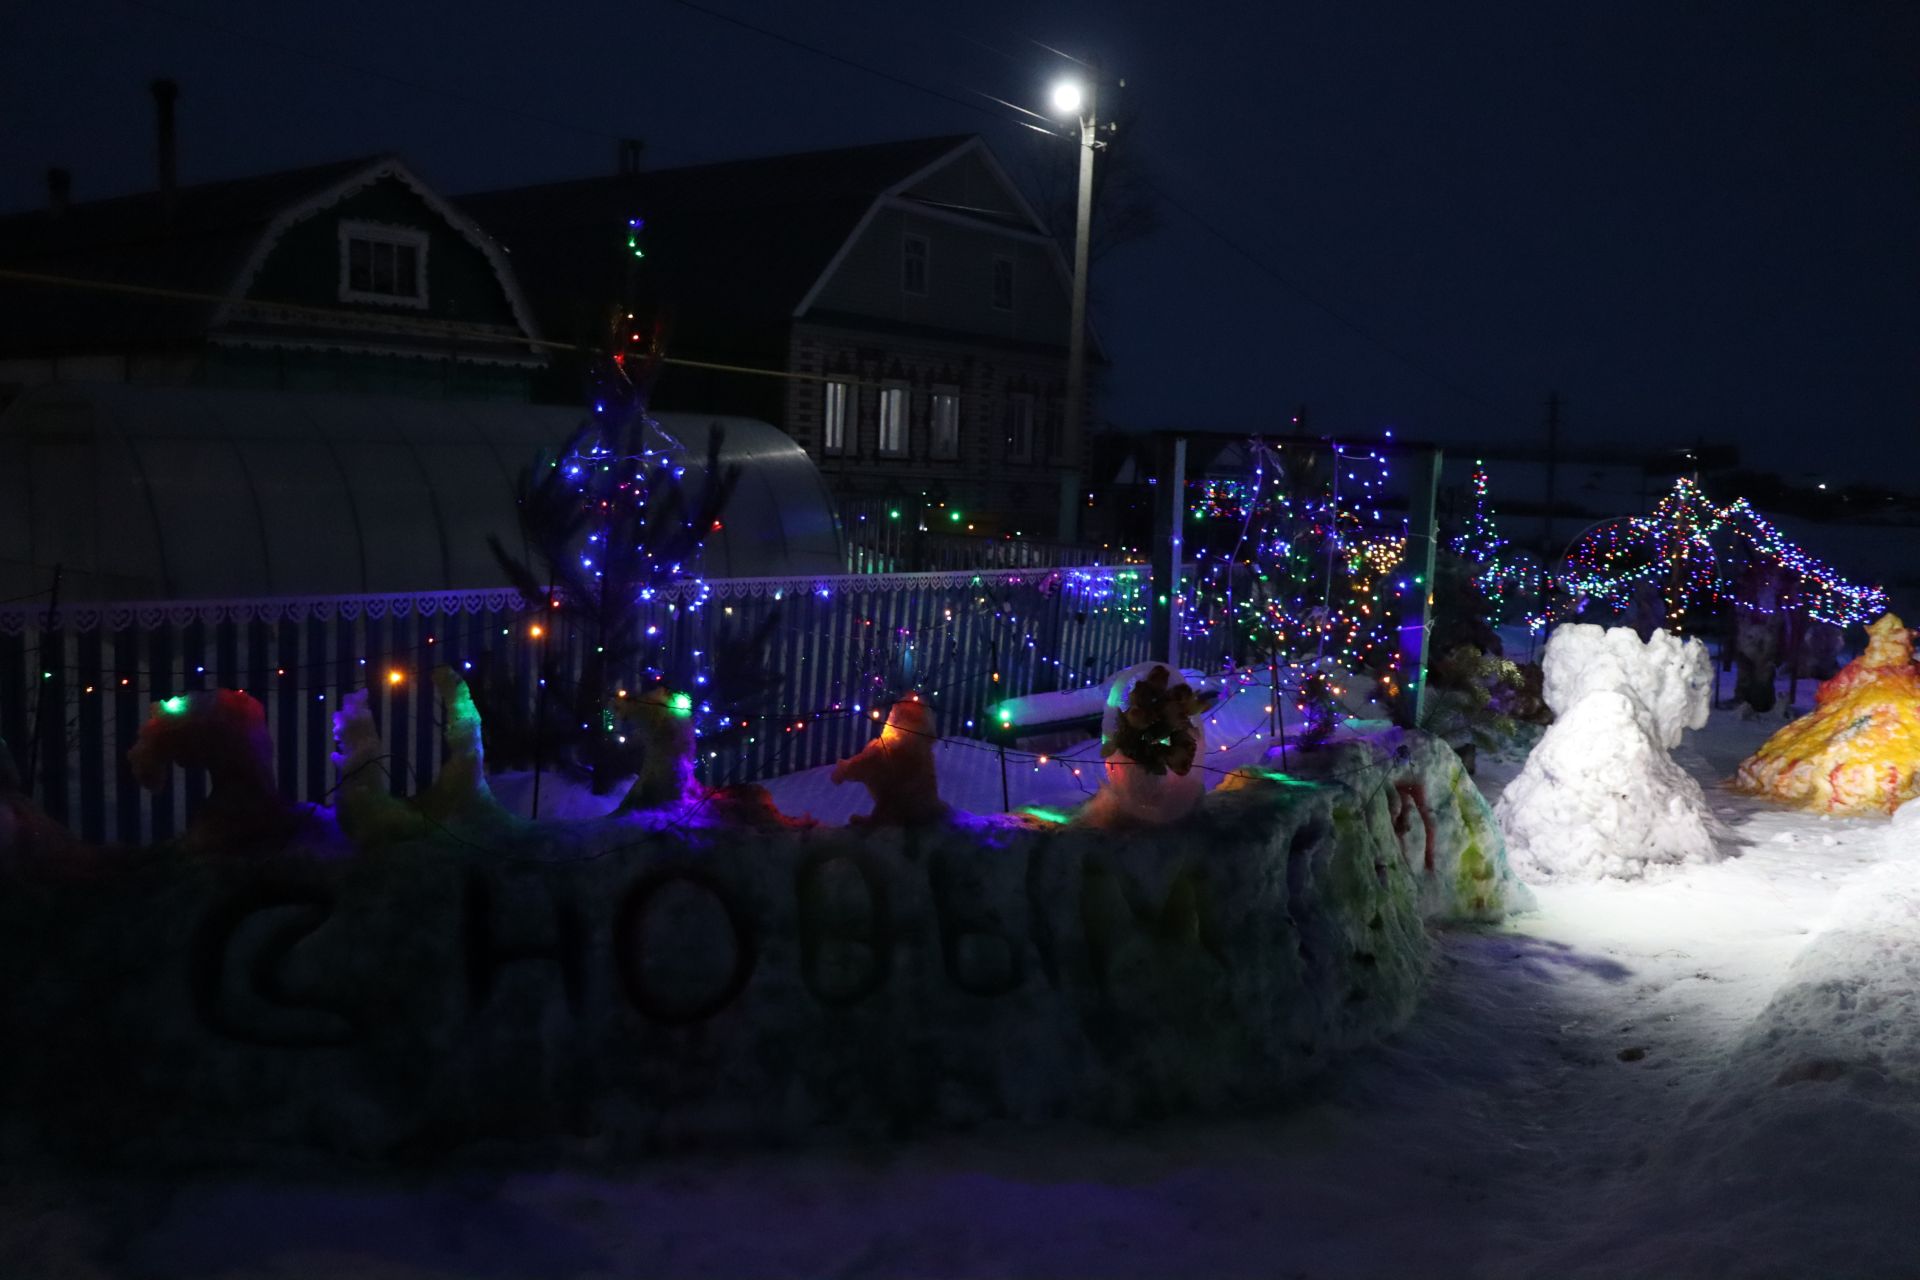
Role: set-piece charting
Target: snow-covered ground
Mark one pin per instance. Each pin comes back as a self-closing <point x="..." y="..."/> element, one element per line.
<point x="1716" y="1073"/>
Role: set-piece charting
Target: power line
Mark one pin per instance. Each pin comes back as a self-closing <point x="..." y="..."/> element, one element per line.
<point x="842" y="59"/>
<point x="1295" y="286"/>
<point x="321" y="55"/>
<point x="1321" y="304"/>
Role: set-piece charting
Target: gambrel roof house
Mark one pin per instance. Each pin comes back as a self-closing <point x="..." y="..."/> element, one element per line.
<point x="354" y="275"/>
<point x="911" y="300"/>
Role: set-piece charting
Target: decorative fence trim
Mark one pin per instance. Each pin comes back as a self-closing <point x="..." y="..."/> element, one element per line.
<point x="15" y="620"/>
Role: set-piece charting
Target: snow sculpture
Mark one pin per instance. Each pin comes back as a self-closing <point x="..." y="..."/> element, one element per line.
<point x="223" y="732"/>
<point x="369" y="813"/>
<point x="1671" y="678"/>
<point x="1858" y="751"/>
<point x="897" y="768"/>
<point x="1149" y="739"/>
<point x="664" y="722"/>
<point x="1599" y="796"/>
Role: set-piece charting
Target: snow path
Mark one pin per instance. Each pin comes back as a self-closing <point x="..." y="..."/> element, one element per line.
<point x="1715" y="1074"/>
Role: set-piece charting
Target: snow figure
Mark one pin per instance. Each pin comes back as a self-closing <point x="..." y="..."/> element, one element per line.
<point x="1672" y="678"/>
<point x="223" y="732"/>
<point x="1859" y="749"/>
<point x="1150" y="740"/>
<point x="897" y="768"/>
<point x="1599" y="796"/>
<point x="369" y="813"/>
<point x="664" y="722"/>
<point x="26" y="830"/>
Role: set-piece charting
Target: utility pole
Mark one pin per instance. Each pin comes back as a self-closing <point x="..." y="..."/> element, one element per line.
<point x="1086" y="110"/>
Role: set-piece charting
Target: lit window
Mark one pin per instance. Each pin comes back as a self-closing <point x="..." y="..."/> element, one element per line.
<point x="1003" y="284"/>
<point x="893" y="422"/>
<point x="946" y="423"/>
<point x="383" y="264"/>
<point x="913" y="264"/>
<point x="1020" y="427"/>
<point x="833" y="418"/>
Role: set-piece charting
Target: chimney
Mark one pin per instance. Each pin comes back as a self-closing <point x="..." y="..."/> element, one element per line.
<point x="59" y="191"/>
<point x="164" y="93"/>
<point x="630" y="151"/>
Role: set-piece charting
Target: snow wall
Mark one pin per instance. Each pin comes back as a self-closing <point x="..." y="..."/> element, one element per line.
<point x="617" y="985"/>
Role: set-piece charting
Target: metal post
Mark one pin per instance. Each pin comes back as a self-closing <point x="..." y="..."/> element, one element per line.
<point x="1006" y="806"/>
<point x="1169" y="518"/>
<point x="1420" y="549"/>
<point x="43" y="685"/>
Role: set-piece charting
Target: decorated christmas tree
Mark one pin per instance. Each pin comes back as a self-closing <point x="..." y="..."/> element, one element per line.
<point x="1297" y="567"/>
<point x="612" y="521"/>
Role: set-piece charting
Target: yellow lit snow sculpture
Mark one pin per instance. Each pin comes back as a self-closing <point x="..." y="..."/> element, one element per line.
<point x="1858" y="750"/>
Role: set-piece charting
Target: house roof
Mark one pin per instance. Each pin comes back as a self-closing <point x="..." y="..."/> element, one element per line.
<point x="198" y="245"/>
<point x="205" y="240"/>
<point x="734" y="247"/>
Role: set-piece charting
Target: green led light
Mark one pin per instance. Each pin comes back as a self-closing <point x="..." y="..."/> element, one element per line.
<point x="175" y="705"/>
<point x="893" y="515"/>
<point x="681" y="705"/>
<point x="954" y="516"/>
<point x="1046" y="815"/>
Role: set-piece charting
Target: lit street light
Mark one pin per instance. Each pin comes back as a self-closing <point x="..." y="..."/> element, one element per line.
<point x="1071" y="98"/>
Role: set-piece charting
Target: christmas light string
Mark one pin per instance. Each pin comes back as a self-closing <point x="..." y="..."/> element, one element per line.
<point x="1674" y="548"/>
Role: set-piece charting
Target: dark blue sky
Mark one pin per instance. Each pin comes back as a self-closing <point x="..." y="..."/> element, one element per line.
<point x="1693" y="219"/>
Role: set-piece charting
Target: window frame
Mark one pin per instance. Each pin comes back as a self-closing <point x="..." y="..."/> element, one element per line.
<point x="947" y="449"/>
<point x="833" y="431"/>
<point x="907" y="240"/>
<point x="1002" y="260"/>
<point x="377" y="233"/>
<point x="905" y="445"/>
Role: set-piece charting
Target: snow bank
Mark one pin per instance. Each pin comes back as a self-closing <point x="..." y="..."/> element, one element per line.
<point x="634" y="984"/>
<point x="1599" y="796"/>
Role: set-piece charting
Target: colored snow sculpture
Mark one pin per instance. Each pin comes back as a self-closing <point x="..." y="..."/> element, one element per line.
<point x="1599" y="796"/>
<point x="897" y="768"/>
<point x="1149" y="740"/>
<point x="664" y="721"/>
<point x="224" y="732"/>
<point x="1858" y="751"/>
<point x="369" y="813"/>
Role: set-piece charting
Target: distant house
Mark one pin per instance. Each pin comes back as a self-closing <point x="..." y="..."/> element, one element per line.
<point x="349" y="276"/>
<point x="910" y="287"/>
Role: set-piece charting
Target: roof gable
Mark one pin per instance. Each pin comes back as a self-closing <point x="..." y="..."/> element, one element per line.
<point x="189" y="255"/>
<point x="731" y="248"/>
<point x="384" y="189"/>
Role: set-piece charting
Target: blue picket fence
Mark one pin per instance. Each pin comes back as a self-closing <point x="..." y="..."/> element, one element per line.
<point x="77" y="682"/>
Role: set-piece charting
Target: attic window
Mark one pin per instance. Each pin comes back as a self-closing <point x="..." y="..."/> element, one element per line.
<point x="379" y="263"/>
<point x="913" y="265"/>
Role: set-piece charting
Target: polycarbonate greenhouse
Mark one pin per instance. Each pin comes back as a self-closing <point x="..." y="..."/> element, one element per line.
<point x="150" y="493"/>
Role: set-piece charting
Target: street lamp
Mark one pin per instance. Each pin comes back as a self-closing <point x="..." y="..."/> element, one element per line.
<point x="1076" y="100"/>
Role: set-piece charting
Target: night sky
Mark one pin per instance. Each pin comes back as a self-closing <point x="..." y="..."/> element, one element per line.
<point x="1692" y="219"/>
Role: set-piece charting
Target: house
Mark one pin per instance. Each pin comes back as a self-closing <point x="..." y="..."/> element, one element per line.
<point x="347" y="276"/>
<point x="304" y="383"/>
<point x="899" y="309"/>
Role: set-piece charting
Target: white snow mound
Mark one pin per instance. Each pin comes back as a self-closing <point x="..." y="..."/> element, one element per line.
<point x="1599" y="796"/>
